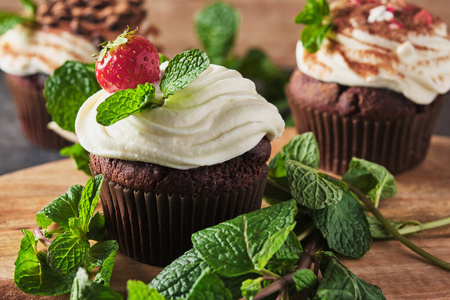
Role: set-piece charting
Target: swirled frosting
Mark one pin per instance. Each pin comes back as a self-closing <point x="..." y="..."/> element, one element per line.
<point x="217" y="117"/>
<point x="26" y="51"/>
<point x="384" y="45"/>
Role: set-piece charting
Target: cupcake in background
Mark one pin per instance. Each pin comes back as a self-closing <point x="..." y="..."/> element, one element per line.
<point x="374" y="88"/>
<point x="52" y="33"/>
<point x="197" y="158"/>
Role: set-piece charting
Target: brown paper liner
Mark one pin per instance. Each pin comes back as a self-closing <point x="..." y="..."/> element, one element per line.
<point x="398" y="144"/>
<point x="156" y="228"/>
<point x="32" y="114"/>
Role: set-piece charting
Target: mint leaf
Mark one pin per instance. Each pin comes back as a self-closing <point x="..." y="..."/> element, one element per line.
<point x="303" y="148"/>
<point x="67" y="89"/>
<point x="305" y="279"/>
<point x="76" y="227"/>
<point x="238" y="246"/>
<point x="61" y="209"/>
<point x="182" y="70"/>
<point x="313" y="12"/>
<point x="9" y="20"/>
<point x="29" y="7"/>
<point x="84" y="289"/>
<point x="66" y="252"/>
<point x="137" y="290"/>
<point x="338" y="282"/>
<point x="312" y="36"/>
<point x="272" y="193"/>
<point x="371" y="179"/>
<point x="163" y="58"/>
<point x="251" y="287"/>
<point x="97" y="228"/>
<point x="344" y="226"/>
<point x="79" y="155"/>
<point x="378" y="231"/>
<point x="103" y="255"/>
<point x="89" y="200"/>
<point x="217" y="26"/>
<point x="176" y="280"/>
<point x="289" y="252"/>
<point x="309" y="187"/>
<point x="315" y="17"/>
<point x="209" y="287"/>
<point x="124" y="103"/>
<point x="32" y="274"/>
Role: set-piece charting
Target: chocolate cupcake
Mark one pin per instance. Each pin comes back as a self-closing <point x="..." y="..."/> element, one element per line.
<point x="63" y="30"/>
<point x="191" y="163"/>
<point x="374" y="88"/>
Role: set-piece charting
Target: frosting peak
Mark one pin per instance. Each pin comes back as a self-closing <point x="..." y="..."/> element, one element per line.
<point x="217" y="117"/>
<point x="384" y="45"/>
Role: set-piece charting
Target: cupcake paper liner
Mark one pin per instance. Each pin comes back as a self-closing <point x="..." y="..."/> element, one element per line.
<point x="33" y="115"/>
<point x="156" y="228"/>
<point x="398" y="144"/>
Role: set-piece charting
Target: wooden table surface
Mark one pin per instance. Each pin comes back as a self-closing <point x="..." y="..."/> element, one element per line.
<point x="423" y="195"/>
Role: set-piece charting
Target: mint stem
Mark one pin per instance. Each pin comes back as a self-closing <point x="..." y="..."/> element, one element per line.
<point x="305" y="263"/>
<point x="267" y="273"/>
<point x="307" y="232"/>
<point x="433" y="259"/>
<point x="279" y="187"/>
<point x="424" y="226"/>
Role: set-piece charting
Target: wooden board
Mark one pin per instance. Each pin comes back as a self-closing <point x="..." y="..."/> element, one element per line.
<point x="423" y="194"/>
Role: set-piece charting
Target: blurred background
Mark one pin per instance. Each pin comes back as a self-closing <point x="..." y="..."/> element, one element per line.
<point x="265" y="24"/>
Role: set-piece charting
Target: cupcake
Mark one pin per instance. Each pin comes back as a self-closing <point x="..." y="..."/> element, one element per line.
<point x="60" y="31"/>
<point x="197" y="160"/>
<point x="374" y="88"/>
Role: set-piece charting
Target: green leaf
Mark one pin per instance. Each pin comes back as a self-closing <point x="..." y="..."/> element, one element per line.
<point x="276" y="190"/>
<point x="89" y="199"/>
<point x="305" y="279"/>
<point x="97" y="228"/>
<point x="312" y="36"/>
<point x="103" y="255"/>
<point x="378" y="231"/>
<point x="176" y="280"/>
<point x="67" y="252"/>
<point x="67" y="89"/>
<point x="137" y="290"/>
<point x="76" y="227"/>
<point x="289" y="252"/>
<point x="303" y="148"/>
<point x="217" y="26"/>
<point x="371" y="179"/>
<point x="61" y="209"/>
<point x="84" y="289"/>
<point x="124" y="103"/>
<point x="272" y="245"/>
<point x="344" y="226"/>
<point x="32" y="274"/>
<point x="310" y="188"/>
<point x="29" y="7"/>
<point x="79" y="155"/>
<point x="209" y="287"/>
<point x="182" y="70"/>
<point x="339" y="283"/>
<point x="313" y="12"/>
<point x="9" y="20"/>
<point x="163" y="58"/>
<point x="238" y="246"/>
<point x="251" y="287"/>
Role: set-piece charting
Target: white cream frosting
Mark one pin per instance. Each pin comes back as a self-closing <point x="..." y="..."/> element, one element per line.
<point x="418" y="66"/>
<point x="217" y="117"/>
<point x="25" y="51"/>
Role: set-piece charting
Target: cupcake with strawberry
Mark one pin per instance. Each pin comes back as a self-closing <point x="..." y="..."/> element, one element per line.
<point x="34" y="44"/>
<point x="182" y="145"/>
<point x="370" y="81"/>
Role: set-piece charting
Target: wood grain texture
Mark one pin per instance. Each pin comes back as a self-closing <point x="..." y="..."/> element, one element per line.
<point x="423" y="195"/>
<point x="265" y="24"/>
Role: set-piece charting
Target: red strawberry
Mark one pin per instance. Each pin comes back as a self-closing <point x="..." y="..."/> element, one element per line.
<point x="128" y="61"/>
<point x="423" y="17"/>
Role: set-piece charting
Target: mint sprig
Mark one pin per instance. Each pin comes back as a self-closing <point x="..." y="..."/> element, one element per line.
<point x="181" y="71"/>
<point x="315" y="16"/>
<point x="9" y="20"/>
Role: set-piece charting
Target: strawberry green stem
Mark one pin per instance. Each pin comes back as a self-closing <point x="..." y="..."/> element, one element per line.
<point x="433" y="259"/>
